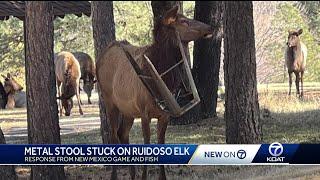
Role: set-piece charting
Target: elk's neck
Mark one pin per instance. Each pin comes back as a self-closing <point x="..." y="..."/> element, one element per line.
<point x="10" y="101"/>
<point x="296" y="52"/>
<point x="164" y="55"/>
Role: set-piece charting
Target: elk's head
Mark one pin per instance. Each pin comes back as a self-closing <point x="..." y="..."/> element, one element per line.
<point x="67" y="105"/>
<point x="189" y="29"/>
<point x="88" y="83"/>
<point x="68" y="91"/>
<point x="293" y="38"/>
<point x="11" y="85"/>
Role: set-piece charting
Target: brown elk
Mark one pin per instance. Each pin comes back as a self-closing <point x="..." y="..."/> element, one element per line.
<point x="295" y="57"/>
<point x="13" y="95"/>
<point x="88" y="72"/>
<point x="124" y="93"/>
<point x="68" y="75"/>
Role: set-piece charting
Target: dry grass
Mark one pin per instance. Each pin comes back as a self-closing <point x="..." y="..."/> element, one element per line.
<point x="291" y="120"/>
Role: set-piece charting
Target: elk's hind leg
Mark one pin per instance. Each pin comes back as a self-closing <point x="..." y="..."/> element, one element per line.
<point x="78" y="98"/>
<point x="123" y="133"/>
<point x="113" y="118"/>
<point x="80" y="89"/>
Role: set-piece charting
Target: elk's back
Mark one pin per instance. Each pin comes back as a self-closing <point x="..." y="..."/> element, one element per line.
<point x="87" y="64"/>
<point x="119" y="83"/>
<point x="62" y="61"/>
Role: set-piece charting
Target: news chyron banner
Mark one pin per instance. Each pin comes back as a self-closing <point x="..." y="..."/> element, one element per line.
<point x="158" y="154"/>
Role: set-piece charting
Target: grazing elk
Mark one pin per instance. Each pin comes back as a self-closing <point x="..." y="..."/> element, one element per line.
<point x="124" y="93"/>
<point x="295" y="57"/>
<point x="88" y="72"/>
<point x="13" y="95"/>
<point x="68" y="75"/>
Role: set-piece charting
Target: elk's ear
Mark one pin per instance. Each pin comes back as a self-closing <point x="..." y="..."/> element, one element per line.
<point x="9" y="75"/>
<point x="300" y="31"/>
<point x="171" y="15"/>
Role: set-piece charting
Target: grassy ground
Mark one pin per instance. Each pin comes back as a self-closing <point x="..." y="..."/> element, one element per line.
<point x="284" y="119"/>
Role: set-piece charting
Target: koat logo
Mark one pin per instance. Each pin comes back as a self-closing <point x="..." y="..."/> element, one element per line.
<point x="275" y="150"/>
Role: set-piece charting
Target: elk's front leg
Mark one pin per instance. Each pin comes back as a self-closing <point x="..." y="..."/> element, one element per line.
<point x="89" y="101"/>
<point x="145" y="122"/>
<point x="78" y="98"/>
<point x="297" y="83"/>
<point x="59" y="94"/>
<point x="301" y="84"/>
<point x="161" y="128"/>
<point x="290" y="82"/>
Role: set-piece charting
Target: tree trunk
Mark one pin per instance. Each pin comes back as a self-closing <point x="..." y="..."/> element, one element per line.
<point x="206" y="57"/>
<point x="6" y="172"/>
<point x="103" y="34"/>
<point x="241" y="106"/>
<point x="42" y="109"/>
<point x="159" y="8"/>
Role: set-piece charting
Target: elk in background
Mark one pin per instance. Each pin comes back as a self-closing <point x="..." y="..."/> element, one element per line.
<point x="13" y="96"/>
<point x="67" y="70"/>
<point x="295" y="58"/>
<point x="88" y="72"/>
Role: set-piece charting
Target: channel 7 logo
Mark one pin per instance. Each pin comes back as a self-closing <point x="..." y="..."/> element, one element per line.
<point x="275" y="150"/>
